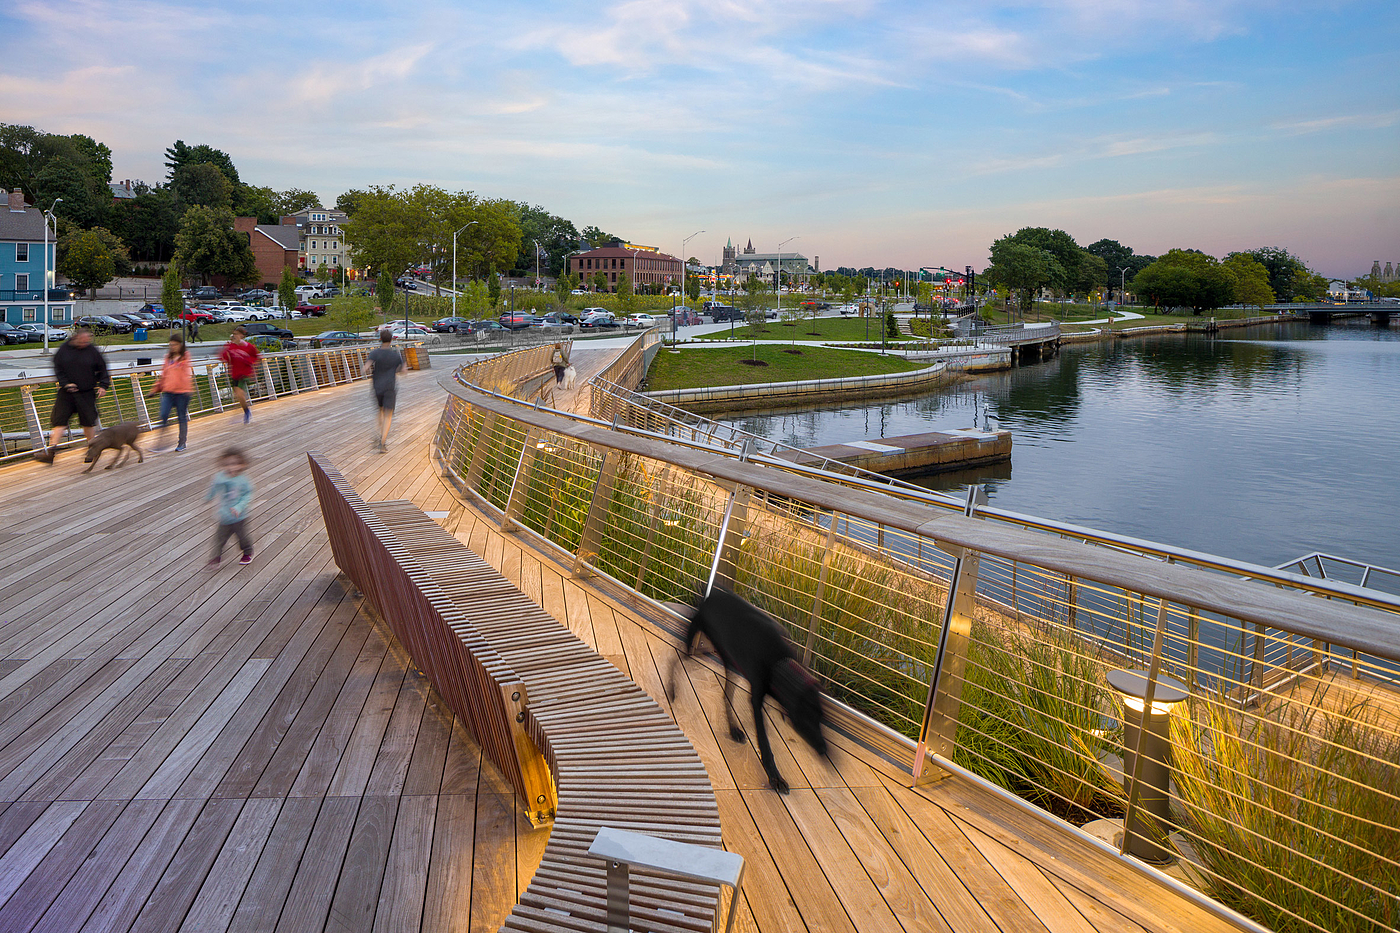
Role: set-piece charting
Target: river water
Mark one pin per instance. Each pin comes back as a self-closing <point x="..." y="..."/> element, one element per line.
<point x="1261" y="444"/>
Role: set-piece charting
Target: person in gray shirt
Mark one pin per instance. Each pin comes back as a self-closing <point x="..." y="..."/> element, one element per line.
<point x="384" y="364"/>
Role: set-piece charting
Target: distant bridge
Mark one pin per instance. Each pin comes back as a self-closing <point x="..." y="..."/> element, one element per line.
<point x="1323" y="312"/>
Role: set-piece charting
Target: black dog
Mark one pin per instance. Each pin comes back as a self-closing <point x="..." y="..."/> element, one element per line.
<point x="751" y="642"/>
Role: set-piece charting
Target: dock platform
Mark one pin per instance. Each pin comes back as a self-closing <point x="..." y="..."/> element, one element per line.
<point x="915" y="454"/>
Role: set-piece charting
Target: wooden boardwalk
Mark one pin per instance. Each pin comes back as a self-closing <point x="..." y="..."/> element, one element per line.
<point x="248" y="749"/>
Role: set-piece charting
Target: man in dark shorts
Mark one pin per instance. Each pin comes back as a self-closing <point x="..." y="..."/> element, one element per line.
<point x="81" y="372"/>
<point x="384" y="364"/>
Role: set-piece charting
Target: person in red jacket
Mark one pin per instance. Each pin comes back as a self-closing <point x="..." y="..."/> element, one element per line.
<point x="240" y="356"/>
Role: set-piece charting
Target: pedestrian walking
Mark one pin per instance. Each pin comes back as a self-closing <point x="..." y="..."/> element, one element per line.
<point x="81" y="372"/>
<point x="559" y="359"/>
<point x="384" y="365"/>
<point x="240" y="357"/>
<point x="233" y="491"/>
<point x="175" y="386"/>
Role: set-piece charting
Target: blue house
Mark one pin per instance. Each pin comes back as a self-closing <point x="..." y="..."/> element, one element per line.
<point x="22" y="267"/>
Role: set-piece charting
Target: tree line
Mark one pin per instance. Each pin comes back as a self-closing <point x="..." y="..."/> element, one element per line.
<point x="1036" y="259"/>
<point x="187" y="218"/>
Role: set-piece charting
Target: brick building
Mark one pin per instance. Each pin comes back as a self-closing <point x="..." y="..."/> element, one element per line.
<point x="275" y="247"/>
<point x="649" y="268"/>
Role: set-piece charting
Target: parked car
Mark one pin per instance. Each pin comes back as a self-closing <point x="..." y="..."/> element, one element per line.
<point x="12" y="334"/>
<point x="641" y="319"/>
<point x="306" y="309"/>
<point x="152" y="320"/>
<point x="55" y="333"/>
<point x="517" y="321"/>
<point x="104" y="324"/>
<point x="308" y="291"/>
<point x="205" y="293"/>
<point x="269" y="343"/>
<point x="451" y="325"/>
<point x="407" y="285"/>
<point x="262" y="327"/>
<point x="598" y="317"/>
<point x="413" y="331"/>
<point x="131" y="317"/>
<point x="196" y="316"/>
<point x="335" y="338"/>
<point x="330" y="291"/>
<point x="257" y="294"/>
<point x="234" y="314"/>
<point x="721" y="313"/>
<point x="485" y="329"/>
<point x="810" y="305"/>
<point x="553" y="322"/>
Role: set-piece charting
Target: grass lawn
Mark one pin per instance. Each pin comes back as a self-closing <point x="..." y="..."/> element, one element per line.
<point x="721" y="366"/>
<point x="1068" y="314"/>
<point x="840" y="329"/>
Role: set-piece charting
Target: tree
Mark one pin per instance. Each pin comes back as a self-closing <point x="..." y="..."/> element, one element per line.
<point x="1308" y="285"/>
<point x="595" y="237"/>
<point x="562" y="286"/>
<point x="323" y="273"/>
<point x="1185" y="278"/>
<point x="26" y="152"/>
<point x="557" y="238"/>
<point x="287" y="288"/>
<point x="353" y="316"/>
<point x="477" y="300"/>
<point x="262" y="203"/>
<point x="180" y="155"/>
<point x="170" y="297"/>
<point x="1022" y="270"/>
<point x="82" y="202"/>
<point x="203" y="184"/>
<point x="1283" y="268"/>
<point x="85" y="260"/>
<point x="297" y="199"/>
<point x="384" y="292"/>
<point x="208" y="245"/>
<point x="1251" y="280"/>
<point x="626" y="297"/>
<point x="600" y="281"/>
<point x="349" y="202"/>
<point x="148" y="223"/>
<point x="692" y="287"/>
<point x="493" y="290"/>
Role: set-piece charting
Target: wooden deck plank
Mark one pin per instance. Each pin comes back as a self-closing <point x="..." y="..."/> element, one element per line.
<point x="214" y="906"/>
<point x="448" y="895"/>
<point x="357" y="893"/>
<point x="401" y="896"/>
<point x="38" y="887"/>
<point x="493" y="862"/>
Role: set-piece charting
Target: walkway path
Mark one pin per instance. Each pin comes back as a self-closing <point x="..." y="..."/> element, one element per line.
<point x="251" y="750"/>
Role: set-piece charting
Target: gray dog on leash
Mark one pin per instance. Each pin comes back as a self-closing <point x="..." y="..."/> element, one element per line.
<point x="118" y="437"/>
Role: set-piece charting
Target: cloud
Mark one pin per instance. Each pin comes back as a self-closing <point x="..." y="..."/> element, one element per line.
<point x="1365" y="121"/>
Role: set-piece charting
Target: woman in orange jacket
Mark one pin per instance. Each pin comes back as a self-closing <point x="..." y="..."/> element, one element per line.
<point x="175" y="385"/>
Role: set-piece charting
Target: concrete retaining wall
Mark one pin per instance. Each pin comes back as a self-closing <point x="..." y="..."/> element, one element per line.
<point x="779" y="394"/>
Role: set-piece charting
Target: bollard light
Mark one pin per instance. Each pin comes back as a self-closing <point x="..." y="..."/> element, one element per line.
<point x="1148" y="730"/>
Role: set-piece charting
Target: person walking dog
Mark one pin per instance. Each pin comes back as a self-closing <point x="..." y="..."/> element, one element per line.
<point x="233" y="491"/>
<point x="559" y="359"/>
<point x="81" y="372"/>
<point x="384" y="364"/>
<point x="175" y="386"/>
<point x="240" y="357"/>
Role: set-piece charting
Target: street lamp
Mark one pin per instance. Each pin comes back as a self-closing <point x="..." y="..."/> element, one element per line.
<point x="49" y="216"/>
<point x="683" y="261"/>
<point x="537" y="265"/>
<point x="778" y="279"/>
<point x="1147" y="705"/>
<point x="454" y="263"/>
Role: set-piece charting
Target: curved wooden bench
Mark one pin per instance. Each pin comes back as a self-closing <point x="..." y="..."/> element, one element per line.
<point x="617" y="759"/>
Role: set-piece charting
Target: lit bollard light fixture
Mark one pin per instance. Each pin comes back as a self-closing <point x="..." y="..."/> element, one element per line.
<point x="1147" y="821"/>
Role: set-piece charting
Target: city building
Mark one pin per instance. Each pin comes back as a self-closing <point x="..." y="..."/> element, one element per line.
<point x="750" y="261"/>
<point x="320" y="242"/>
<point x="275" y="247"/>
<point x="648" y="266"/>
<point x="23" y="266"/>
<point x="1388" y="274"/>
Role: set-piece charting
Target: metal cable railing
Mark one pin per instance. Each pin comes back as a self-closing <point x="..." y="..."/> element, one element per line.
<point x="25" y="403"/>
<point x="983" y="645"/>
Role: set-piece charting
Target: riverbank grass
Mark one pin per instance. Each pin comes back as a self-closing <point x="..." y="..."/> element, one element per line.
<point x="725" y="366"/>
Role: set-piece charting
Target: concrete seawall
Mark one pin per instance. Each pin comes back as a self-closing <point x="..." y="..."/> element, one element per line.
<point x="781" y="394"/>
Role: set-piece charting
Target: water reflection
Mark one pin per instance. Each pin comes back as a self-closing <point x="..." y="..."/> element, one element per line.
<point x="1263" y="444"/>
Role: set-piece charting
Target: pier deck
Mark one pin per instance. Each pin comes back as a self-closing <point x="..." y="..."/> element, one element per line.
<point x="250" y="749"/>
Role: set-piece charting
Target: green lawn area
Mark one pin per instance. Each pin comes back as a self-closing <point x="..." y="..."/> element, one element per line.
<point x="1068" y="314"/>
<point x="838" y="329"/>
<point x="721" y="366"/>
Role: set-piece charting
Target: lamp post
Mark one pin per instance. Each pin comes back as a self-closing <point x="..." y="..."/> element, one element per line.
<point x="778" y="278"/>
<point x="49" y="216"/>
<point x="537" y="265"/>
<point x="1147" y="706"/>
<point x="683" y="261"/>
<point x="454" y="264"/>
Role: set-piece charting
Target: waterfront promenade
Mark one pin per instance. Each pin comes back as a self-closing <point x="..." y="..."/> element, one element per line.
<point x="250" y="749"/>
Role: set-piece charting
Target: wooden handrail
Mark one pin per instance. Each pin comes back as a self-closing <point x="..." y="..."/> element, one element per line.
<point x="1369" y="631"/>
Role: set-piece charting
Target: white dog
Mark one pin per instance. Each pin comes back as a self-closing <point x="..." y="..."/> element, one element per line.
<point x="570" y="377"/>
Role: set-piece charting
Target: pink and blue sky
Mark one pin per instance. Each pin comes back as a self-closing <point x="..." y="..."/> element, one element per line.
<point x="879" y="133"/>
